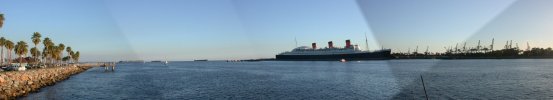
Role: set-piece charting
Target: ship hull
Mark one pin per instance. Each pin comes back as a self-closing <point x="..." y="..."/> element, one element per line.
<point x="378" y="55"/>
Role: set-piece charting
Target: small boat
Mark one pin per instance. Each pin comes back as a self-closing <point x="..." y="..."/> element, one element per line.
<point x="343" y="60"/>
<point x="201" y="60"/>
<point x="159" y="61"/>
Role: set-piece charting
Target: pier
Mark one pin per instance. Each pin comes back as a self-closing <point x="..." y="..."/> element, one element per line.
<point x="108" y="65"/>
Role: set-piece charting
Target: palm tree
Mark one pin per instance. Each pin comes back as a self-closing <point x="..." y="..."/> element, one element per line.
<point x="59" y="52"/>
<point x="46" y="52"/>
<point x="35" y="53"/>
<point x="68" y="49"/>
<point x="36" y="40"/>
<point x="65" y="59"/>
<point x="72" y="54"/>
<point x="76" y="57"/>
<point x="2" y="40"/>
<point x="2" y="43"/>
<point x="61" y="48"/>
<point x="1" y="20"/>
<point x="9" y="45"/>
<point x="52" y="53"/>
<point x="21" y="50"/>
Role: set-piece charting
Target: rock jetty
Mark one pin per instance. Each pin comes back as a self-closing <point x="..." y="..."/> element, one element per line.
<point x="20" y="83"/>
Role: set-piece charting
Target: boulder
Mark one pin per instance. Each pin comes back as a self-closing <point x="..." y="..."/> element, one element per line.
<point x="24" y="78"/>
<point x="2" y="80"/>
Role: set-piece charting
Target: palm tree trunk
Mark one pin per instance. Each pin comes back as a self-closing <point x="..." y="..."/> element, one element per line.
<point x="45" y="59"/>
<point x="2" y="56"/>
<point x="9" y="57"/>
<point x="51" y="59"/>
<point x="48" y="59"/>
<point x="37" y="61"/>
<point x="20" y="61"/>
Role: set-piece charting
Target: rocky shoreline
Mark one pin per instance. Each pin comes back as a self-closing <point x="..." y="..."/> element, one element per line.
<point x="20" y="83"/>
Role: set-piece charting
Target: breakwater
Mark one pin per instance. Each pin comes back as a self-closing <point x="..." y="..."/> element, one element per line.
<point x="20" y="83"/>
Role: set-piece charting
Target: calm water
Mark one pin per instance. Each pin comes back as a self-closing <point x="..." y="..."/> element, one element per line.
<point x="393" y="79"/>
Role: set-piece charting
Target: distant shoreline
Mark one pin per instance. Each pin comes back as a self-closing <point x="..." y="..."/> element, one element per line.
<point x="465" y="57"/>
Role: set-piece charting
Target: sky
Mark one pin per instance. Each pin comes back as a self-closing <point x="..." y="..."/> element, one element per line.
<point x="113" y="30"/>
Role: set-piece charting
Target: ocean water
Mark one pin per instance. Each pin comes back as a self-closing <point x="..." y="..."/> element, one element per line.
<point x="385" y="79"/>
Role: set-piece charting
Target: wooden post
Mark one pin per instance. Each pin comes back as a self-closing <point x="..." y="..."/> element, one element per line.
<point x="112" y="66"/>
<point x="105" y="67"/>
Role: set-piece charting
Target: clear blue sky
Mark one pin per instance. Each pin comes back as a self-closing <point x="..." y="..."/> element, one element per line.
<point x="110" y="30"/>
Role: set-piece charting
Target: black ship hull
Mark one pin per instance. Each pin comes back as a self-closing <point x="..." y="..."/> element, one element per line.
<point x="377" y="55"/>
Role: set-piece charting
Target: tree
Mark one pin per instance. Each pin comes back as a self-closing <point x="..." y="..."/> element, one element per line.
<point x="72" y="54"/>
<point x="60" y="52"/>
<point x="36" y="40"/>
<point x="1" y="20"/>
<point x="46" y="52"/>
<point x="52" y="53"/>
<point x="21" y="50"/>
<point x="2" y="44"/>
<point x="2" y="40"/>
<point x="35" y="53"/>
<point x="76" y="57"/>
<point x="9" y="45"/>
<point x="66" y="58"/>
<point x="68" y="49"/>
